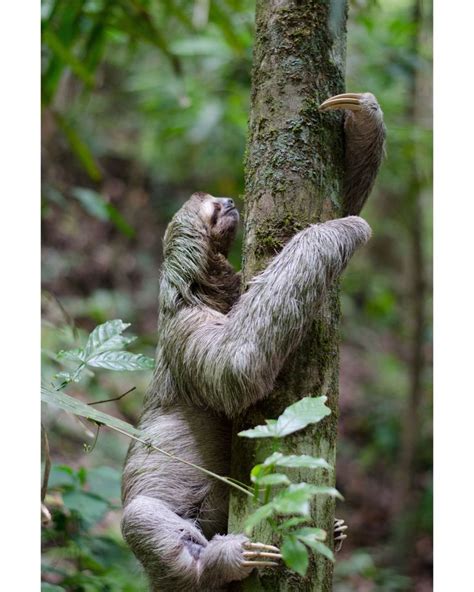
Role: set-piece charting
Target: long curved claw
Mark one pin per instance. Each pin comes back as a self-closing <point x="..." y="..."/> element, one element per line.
<point x="249" y="545"/>
<point x="252" y="554"/>
<point x="260" y="555"/>
<point x="259" y="564"/>
<point x="351" y="101"/>
<point x="339" y="534"/>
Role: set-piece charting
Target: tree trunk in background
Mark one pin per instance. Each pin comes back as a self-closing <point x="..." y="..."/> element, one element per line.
<point x="404" y="504"/>
<point x="294" y="172"/>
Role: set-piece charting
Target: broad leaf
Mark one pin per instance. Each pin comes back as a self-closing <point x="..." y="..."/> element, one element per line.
<point x="67" y="403"/>
<point x="294" y="500"/>
<point x="295" y="417"/>
<point x="296" y="497"/>
<point x="320" y="548"/>
<point x="121" y="360"/>
<point x="273" y="479"/>
<point x="309" y="533"/>
<point x="295" y="521"/>
<point x="260" y="514"/>
<point x="296" y="461"/>
<point x="107" y="337"/>
<point x="295" y="555"/>
<point x="74" y="355"/>
<point x="104" y="482"/>
<point x="91" y="508"/>
<point x="262" y="431"/>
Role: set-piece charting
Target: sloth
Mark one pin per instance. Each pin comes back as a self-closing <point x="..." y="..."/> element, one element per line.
<point x="220" y="351"/>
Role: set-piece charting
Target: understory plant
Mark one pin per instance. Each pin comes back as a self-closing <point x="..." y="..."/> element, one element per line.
<point x="283" y="504"/>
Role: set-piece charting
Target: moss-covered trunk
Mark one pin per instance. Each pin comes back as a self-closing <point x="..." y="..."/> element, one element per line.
<point x="293" y="178"/>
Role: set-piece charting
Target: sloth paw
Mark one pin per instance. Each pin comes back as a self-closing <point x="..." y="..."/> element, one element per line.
<point x="339" y="533"/>
<point x="260" y="555"/>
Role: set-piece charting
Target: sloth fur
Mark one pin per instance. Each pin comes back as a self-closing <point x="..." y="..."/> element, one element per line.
<point x="218" y="352"/>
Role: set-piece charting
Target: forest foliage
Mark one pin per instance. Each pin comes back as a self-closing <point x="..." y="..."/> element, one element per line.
<point x="143" y="103"/>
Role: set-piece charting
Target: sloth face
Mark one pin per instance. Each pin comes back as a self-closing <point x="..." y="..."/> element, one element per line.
<point x="221" y="218"/>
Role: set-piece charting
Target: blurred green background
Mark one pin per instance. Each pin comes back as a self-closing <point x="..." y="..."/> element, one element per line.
<point x="145" y="102"/>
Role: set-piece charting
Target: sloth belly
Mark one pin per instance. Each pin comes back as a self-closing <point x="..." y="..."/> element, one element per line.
<point x="197" y="436"/>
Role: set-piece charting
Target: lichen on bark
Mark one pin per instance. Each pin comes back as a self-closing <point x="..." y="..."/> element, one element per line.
<point x="294" y="167"/>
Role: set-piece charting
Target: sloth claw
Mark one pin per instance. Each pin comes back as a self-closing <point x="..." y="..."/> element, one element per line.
<point x="259" y="564"/>
<point x="260" y="555"/>
<point x="339" y="534"/>
<point x="263" y="547"/>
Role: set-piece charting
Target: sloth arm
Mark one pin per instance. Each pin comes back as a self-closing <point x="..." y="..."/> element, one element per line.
<point x="229" y="362"/>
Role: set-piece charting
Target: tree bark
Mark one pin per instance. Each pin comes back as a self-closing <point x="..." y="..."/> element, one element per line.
<point x="294" y="171"/>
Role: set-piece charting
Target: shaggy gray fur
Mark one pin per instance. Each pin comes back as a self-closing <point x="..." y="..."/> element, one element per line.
<point x="218" y="353"/>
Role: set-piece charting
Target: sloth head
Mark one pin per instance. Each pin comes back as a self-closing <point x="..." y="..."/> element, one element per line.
<point x="221" y="218"/>
<point x="196" y="243"/>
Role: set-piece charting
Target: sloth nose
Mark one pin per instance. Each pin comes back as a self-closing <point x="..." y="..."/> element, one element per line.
<point x="227" y="202"/>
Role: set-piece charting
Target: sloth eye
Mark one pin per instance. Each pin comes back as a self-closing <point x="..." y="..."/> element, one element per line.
<point x="215" y="213"/>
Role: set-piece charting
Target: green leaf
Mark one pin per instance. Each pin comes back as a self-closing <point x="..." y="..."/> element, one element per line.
<point x="121" y="361"/>
<point x="310" y="534"/>
<point x="66" y="56"/>
<point x="74" y="355"/>
<point x="104" y="482"/>
<point x="97" y="206"/>
<point x="273" y="479"/>
<point x="91" y="508"/>
<point x="68" y="376"/>
<point x="323" y="490"/>
<point x="319" y="547"/>
<point x="61" y="476"/>
<point x="296" y="461"/>
<point x="72" y="405"/>
<point x="295" y="498"/>
<point x="106" y="337"/>
<point x="295" y="521"/>
<point x="260" y="514"/>
<point x="308" y="411"/>
<point x="80" y="149"/>
<point x="295" y="555"/>
<point x="45" y="587"/>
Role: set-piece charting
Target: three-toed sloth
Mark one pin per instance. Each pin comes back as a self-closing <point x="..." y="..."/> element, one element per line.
<point x="219" y="351"/>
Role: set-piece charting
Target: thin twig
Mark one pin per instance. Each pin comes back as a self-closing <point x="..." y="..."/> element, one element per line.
<point x="115" y="398"/>
<point x="47" y="462"/>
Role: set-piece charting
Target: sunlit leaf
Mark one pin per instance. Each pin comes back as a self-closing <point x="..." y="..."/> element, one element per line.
<point x="273" y="479"/>
<point x="72" y="405"/>
<point x="308" y="410"/>
<point x="121" y="361"/>
<point x="74" y="355"/>
<point x="309" y="533"/>
<point x="107" y="336"/>
<point x="296" y="497"/>
<point x="296" y="461"/>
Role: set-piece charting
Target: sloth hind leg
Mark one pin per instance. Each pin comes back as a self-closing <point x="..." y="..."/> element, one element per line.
<point x="175" y="554"/>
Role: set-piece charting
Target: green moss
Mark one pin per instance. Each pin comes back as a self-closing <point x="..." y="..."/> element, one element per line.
<point x="274" y="232"/>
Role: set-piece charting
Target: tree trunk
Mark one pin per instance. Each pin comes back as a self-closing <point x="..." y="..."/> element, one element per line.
<point x="294" y="172"/>
<point x="404" y="499"/>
